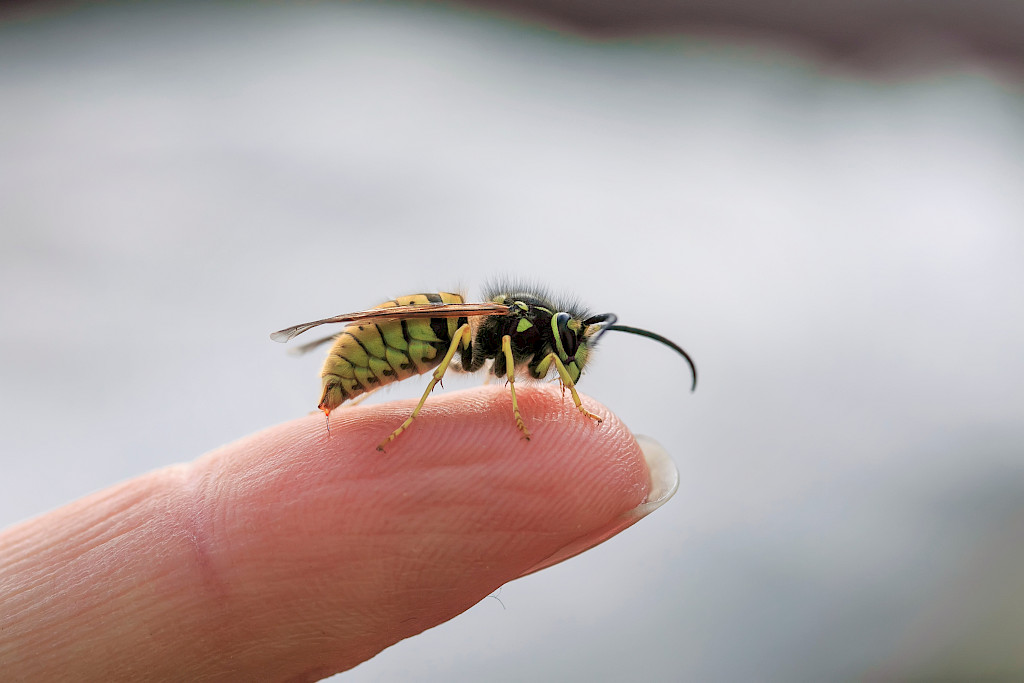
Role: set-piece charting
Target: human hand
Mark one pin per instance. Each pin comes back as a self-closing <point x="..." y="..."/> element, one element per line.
<point x="293" y="555"/>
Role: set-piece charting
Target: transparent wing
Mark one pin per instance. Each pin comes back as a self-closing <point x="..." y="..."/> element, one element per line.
<point x="306" y="348"/>
<point x="396" y="313"/>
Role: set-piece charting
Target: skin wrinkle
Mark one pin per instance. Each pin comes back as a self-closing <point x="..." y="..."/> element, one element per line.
<point x="126" y="519"/>
<point x="47" y="583"/>
<point x="199" y="526"/>
<point x="183" y="575"/>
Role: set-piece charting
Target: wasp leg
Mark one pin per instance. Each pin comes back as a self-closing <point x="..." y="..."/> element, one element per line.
<point x="563" y="374"/>
<point x="438" y="374"/>
<point x="506" y="346"/>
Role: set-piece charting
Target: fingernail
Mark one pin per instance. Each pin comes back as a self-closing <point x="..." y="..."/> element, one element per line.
<point x="664" y="483"/>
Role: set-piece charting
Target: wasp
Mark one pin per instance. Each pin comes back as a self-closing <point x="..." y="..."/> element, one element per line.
<point x="517" y="329"/>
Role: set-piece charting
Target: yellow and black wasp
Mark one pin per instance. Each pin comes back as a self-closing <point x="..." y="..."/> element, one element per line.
<point x="411" y="335"/>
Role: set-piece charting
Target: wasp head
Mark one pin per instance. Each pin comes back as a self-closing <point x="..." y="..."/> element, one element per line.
<point x="573" y="337"/>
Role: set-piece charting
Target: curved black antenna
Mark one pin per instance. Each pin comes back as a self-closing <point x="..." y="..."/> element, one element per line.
<point x="658" y="338"/>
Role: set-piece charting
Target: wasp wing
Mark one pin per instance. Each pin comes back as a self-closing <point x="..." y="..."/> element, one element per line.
<point x="397" y="313"/>
<point x="309" y="346"/>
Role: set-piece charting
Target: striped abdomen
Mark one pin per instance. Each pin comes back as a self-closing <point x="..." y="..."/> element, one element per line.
<point x="368" y="355"/>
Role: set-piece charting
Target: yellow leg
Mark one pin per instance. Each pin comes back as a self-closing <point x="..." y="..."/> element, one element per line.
<point x="510" y="372"/>
<point x="563" y="374"/>
<point x="438" y="374"/>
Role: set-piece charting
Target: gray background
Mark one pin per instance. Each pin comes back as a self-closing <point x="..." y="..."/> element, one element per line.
<point x="839" y="249"/>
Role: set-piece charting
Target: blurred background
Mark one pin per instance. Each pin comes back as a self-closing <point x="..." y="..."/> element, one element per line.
<point x="822" y="204"/>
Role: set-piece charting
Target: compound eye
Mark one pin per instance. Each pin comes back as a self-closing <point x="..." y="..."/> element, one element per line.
<point x="565" y="335"/>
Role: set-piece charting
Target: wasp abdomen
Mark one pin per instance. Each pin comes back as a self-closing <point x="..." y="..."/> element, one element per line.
<point x="366" y="356"/>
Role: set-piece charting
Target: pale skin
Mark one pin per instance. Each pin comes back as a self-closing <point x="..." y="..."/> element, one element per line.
<point x="289" y="555"/>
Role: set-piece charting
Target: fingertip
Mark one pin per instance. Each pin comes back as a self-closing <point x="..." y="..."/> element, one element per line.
<point x="366" y="548"/>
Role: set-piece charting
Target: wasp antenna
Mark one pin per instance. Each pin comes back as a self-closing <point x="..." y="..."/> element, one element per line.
<point x="657" y="338"/>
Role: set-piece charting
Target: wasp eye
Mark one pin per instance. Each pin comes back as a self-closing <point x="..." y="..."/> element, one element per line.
<point x="566" y="335"/>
